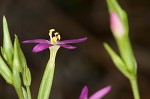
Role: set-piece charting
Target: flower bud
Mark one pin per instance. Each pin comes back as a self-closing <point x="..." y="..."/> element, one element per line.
<point x="116" y="25"/>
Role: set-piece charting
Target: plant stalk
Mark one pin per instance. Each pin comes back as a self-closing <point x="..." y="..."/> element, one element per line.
<point x="28" y="92"/>
<point x="46" y="84"/>
<point x="134" y="86"/>
<point x="17" y="84"/>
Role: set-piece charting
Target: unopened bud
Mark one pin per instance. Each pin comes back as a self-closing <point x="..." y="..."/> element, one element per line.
<point x="116" y="25"/>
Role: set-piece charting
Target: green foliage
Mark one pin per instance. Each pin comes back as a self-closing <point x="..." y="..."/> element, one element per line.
<point x="7" y="49"/>
<point x="13" y="64"/>
<point x="5" y="71"/>
<point x="117" y="61"/>
<point x="123" y="42"/>
<point x="126" y="63"/>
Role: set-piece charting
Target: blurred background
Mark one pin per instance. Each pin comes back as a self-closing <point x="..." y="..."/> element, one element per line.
<point x="89" y="64"/>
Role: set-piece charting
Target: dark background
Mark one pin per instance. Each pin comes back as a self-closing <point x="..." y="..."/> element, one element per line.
<point x="89" y="64"/>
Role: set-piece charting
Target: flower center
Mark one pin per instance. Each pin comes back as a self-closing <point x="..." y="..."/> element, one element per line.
<point x="54" y="36"/>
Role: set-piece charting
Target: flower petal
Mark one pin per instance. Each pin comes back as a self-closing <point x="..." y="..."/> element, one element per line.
<point x="67" y="46"/>
<point x="73" y="41"/>
<point x="40" y="47"/>
<point x="36" y="41"/>
<point x="84" y="93"/>
<point x="101" y="93"/>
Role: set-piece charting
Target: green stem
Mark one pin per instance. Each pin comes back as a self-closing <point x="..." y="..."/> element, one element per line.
<point x="17" y="84"/>
<point x="46" y="84"/>
<point x="28" y="92"/>
<point x="134" y="86"/>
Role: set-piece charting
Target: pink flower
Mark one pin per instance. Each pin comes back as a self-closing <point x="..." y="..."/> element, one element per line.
<point x="43" y="44"/>
<point x="97" y="95"/>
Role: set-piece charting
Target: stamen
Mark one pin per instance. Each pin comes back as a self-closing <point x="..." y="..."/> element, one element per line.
<point x="50" y="32"/>
<point x="54" y="37"/>
<point x="57" y="35"/>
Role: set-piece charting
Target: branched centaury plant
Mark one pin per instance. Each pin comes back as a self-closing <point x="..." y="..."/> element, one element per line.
<point x="126" y="62"/>
<point x="53" y="44"/>
<point x="13" y="64"/>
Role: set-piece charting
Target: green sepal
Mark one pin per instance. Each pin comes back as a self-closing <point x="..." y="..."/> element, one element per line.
<point x="5" y="71"/>
<point x="117" y="61"/>
<point x="7" y="49"/>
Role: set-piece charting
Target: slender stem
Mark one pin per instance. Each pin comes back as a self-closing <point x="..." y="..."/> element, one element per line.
<point x="135" y="90"/>
<point x="46" y="84"/>
<point x="28" y="92"/>
<point x="17" y="84"/>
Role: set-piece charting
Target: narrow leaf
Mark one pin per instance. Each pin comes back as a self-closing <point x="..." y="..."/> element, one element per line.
<point x="20" y="58"/>
<point x="7" y="50"/>
<point x="5" y="71"/>
<point x="117" y="61"/>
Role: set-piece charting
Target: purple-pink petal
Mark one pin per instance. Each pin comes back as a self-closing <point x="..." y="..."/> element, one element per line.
<point x="36" y="41"/>
<point x="73" y="41"/>
<point x="40" y="47"/>
<point x="84" y="93"/>
<point x="67" y="46"/>
<point x="100" y="93"/>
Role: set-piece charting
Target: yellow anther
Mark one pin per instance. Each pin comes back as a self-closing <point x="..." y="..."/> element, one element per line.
<point x="51" y="31"/>
<point x="57" y="35"/>
<point x="54" y="37"/>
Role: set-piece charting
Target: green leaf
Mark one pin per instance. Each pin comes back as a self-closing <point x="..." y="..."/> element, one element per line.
<point x="5" y="71"/>
<point x="7" y="49"/>
<point x="21" y="62"/>
<point x="117" y="61"/>
<point x="16" y="70"/>
<point x="17" y="65"/>
<point x="19" y="54"/>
